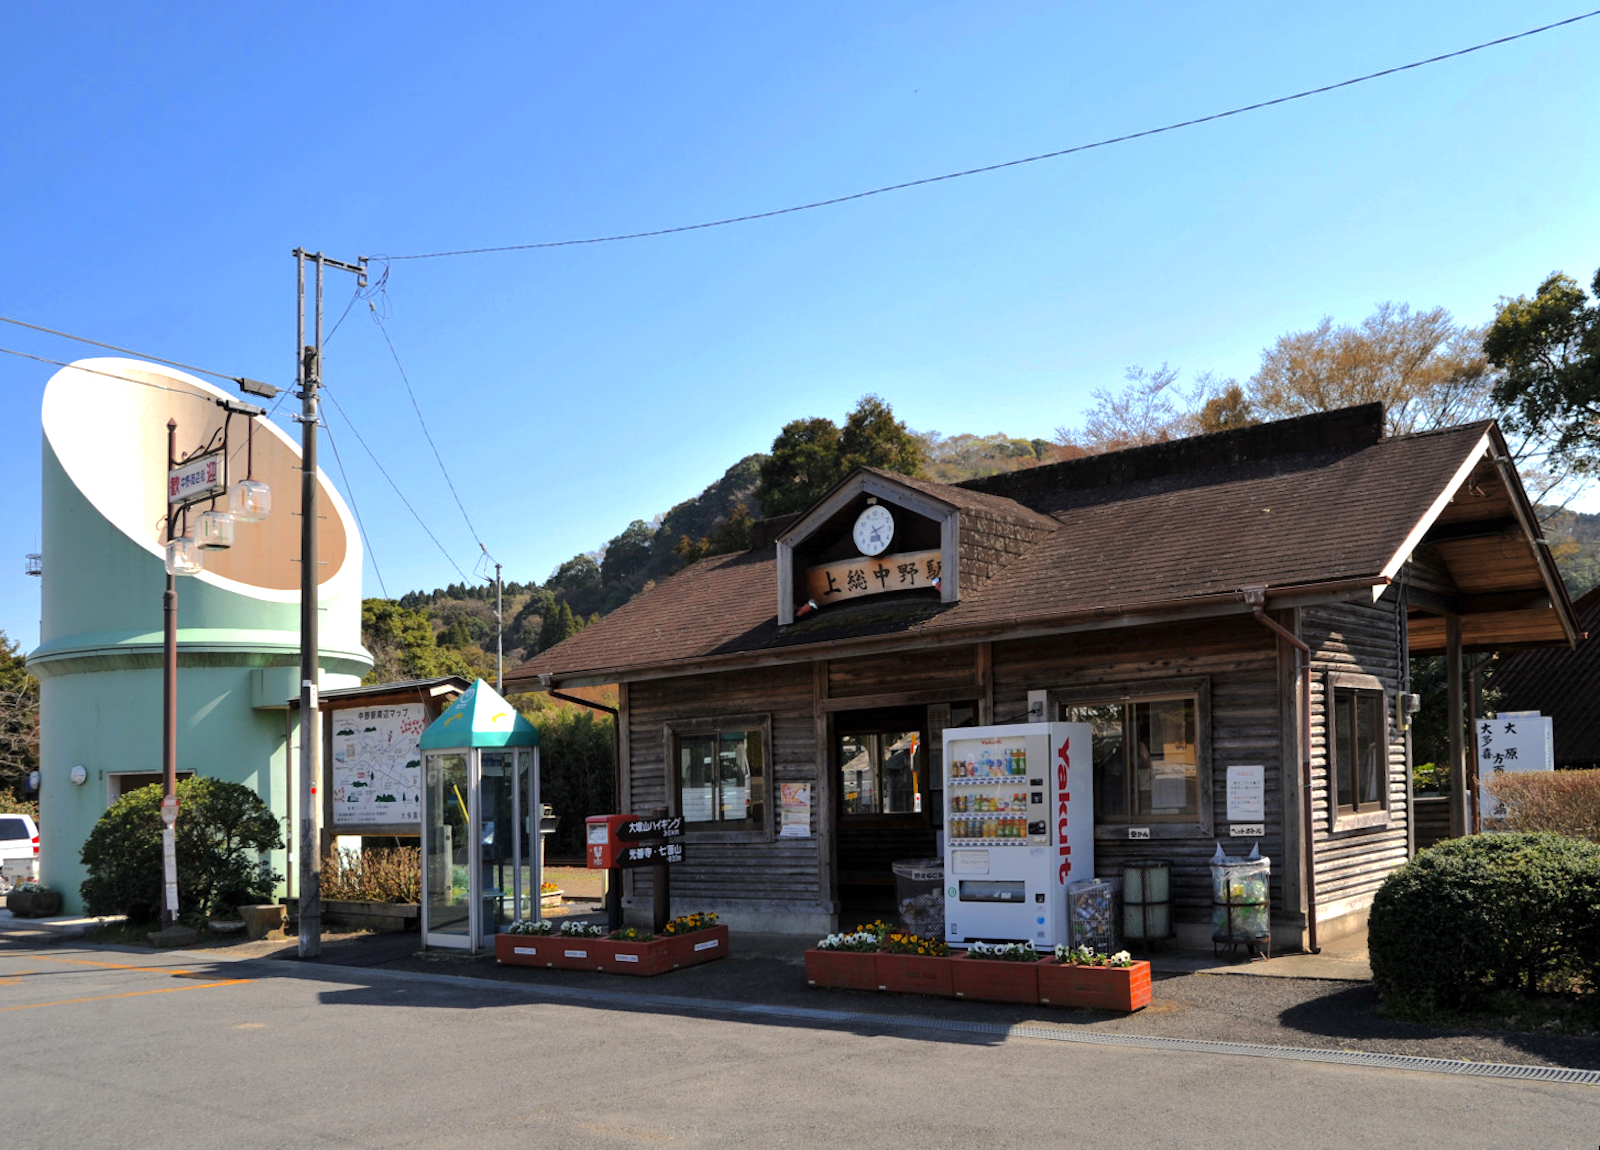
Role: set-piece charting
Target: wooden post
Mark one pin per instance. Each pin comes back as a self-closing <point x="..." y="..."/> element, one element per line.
<point x="1460" y="815"/>
<point x="659" y="888"/>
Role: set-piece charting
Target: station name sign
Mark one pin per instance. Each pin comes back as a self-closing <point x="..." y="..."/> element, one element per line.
<point x="853" y="578"/>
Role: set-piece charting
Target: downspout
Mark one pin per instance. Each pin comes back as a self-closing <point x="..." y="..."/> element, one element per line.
<point x="616" y="734"/>
<point x="1256" y="597"/>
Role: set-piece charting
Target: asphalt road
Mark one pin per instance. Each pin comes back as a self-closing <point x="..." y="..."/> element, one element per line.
<point x="133" y="1050"/>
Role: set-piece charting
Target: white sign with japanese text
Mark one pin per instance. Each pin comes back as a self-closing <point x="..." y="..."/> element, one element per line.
<point x="1247" y="794"/>
<point x="1521" y="742"/>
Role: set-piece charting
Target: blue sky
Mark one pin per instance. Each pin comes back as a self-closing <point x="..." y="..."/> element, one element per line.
<point x="160" y="162"/>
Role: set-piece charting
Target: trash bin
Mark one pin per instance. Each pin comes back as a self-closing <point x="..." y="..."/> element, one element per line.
<point x="919" y="893"/>
<point x="1241" y="903"/>
<point x="1147" y="900"/>
<point x="1092" y="916"/>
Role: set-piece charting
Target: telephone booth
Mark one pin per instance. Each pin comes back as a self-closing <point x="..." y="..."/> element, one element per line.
<point x="480" y="821"/>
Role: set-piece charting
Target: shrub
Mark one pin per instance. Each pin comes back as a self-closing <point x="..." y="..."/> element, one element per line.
<point x="1562" y="802"/>
<point x="1486" y="913"/>
<point x="11" y="805"/>
<point x="389" y="874"/>
<point x="221" y="830"/>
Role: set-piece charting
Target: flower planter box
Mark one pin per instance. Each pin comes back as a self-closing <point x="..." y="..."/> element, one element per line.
<point x="697" y="946"/>
<point x="995" y="980"/>
<point x="610" y="956"/>
<point x="1125" y="988"/>
<point x="842" y="969"/>
<point x="915" y="974"/>
<point x="33" y="903"/>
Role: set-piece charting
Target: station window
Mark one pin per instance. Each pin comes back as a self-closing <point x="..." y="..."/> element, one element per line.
<point x="1360" y="749"/>
<point x="722" y="777"/>
<point x="1147" y="765"/>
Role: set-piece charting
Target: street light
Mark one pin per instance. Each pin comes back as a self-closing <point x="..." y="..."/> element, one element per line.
<point x="200" y="477"/>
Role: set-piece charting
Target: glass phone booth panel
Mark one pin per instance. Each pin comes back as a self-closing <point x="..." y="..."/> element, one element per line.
<point x="446" y="851"/>
<point x="479" y="873"/>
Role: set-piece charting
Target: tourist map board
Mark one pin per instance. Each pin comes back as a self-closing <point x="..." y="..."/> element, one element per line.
<point x="377" y="766"/>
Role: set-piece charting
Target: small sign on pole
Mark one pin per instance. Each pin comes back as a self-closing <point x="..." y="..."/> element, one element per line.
<point x="198" y="478"/>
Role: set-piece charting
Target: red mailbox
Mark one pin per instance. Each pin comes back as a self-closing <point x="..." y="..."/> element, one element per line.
<point x="604" y="838"/>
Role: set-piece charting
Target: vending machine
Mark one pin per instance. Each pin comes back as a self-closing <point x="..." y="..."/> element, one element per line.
<point x="1019" y="826"/>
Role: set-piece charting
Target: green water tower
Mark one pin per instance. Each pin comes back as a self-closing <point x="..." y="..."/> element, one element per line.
<point x="99" y="659"/>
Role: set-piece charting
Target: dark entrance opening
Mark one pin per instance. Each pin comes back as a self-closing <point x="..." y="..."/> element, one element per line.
<point x="890" y="800"/>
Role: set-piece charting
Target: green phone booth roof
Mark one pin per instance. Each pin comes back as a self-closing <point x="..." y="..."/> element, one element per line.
<point x="479" y="718"/>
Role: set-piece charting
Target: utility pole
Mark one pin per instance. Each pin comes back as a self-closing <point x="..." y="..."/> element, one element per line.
<point x="308" y="375"/>
<point x="499" y="633"/>
<point x="169" y="718"/>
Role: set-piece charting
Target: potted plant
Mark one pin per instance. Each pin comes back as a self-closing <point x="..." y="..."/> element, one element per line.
<point x="32" y="899"/>
<point x="847" y="961"/>
<point x="1101" y="981"/>
<point x="997" y="972"/>
<point x="911" y="964"/>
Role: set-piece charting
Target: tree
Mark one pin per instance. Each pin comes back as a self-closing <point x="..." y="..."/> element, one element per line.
<point x="1425" y="369"/>
<point x="873" y="437"/>
<point x="733" y="534"/>
<point x="403" y="647"/>
<point x="811" y="455"/>
<point x="577" y="581"/>
<point x="1548" y="352"/>
<point x="19" y="717"/>
<point x="804" y="464"/>
<point x="558" y="625"/>
<point x="1151" y="408"/>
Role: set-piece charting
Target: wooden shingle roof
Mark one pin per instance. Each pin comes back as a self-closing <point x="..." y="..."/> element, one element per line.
<point x="1323" y="501"/>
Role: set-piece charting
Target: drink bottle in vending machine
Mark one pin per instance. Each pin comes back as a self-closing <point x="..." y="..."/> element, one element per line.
<point x="1019" y="826"/>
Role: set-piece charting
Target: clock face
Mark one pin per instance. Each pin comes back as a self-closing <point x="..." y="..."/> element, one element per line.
<point x="874" y="529"/>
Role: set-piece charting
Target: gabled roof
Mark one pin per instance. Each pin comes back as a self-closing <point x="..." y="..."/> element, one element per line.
<point x="1563" y="684"/>
<point x="479" y="718"/>
<point x="1320" y="506"/>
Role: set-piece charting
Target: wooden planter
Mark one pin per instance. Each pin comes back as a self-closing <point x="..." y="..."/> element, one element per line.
<point x="610" y="956"/>
<point x="1125" y="988"/>
<point x="842" y="969"/>
<point x="33" y="903"/>
<point x="995" y="980"/>
<point x="378" y="916"/>
<point x="915" y="974"/>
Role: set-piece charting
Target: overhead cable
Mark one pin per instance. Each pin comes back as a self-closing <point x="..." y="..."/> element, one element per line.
<point x="350" y="494"/>
<point x="377" y="319"/>
<point x="1006" y="163"/>
<point x="126" y="351"/>
<point x="357" y="433"/>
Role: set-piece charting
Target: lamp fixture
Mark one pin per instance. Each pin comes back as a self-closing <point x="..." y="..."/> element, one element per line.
<point x="214" y="531"/>
<point x="183" y="556"/>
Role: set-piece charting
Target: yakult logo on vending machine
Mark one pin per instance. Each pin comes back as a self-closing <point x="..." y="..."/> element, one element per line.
<point x="1063" y="770"/>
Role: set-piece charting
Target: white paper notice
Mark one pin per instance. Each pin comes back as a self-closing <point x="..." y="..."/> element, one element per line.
<point x="1247" y="794"/>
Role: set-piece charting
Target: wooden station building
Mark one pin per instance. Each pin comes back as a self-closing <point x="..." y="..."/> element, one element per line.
<point x="1245" y="598"/>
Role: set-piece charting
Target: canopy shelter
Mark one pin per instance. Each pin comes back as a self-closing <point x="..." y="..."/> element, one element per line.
<point x="478" y="757"/>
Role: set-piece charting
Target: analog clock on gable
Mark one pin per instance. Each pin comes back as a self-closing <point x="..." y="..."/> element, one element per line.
<point x="874" y="529"/>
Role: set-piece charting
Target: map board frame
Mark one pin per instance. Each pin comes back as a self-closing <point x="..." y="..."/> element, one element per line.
<point x="370" y="745"/>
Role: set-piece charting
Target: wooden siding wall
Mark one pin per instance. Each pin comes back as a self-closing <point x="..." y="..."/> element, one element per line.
<point x="783" y="872"/>
<point x="1239" y="657"/>
<point x="1355" y="638"/>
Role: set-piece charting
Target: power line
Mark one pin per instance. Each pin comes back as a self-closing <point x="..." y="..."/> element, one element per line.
<point x="1006" y="163"/>
<point x="356" y="432"/>
<point x="377" y="319"/>
<point x="97" y="371"/>
<point x="350" y="492"/>
<point x="123" y="350"/>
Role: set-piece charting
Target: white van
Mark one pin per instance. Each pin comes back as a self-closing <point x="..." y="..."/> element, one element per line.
<point x="19" y="850"/>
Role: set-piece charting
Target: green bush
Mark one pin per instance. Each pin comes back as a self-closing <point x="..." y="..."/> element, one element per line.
<point x="1482" y="914"/>
<point x="384" y="874"/>
<point x="221" y="830"/>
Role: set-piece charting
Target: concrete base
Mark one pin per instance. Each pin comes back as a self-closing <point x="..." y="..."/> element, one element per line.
<point x="262" y="918"/>
<point x="174" y="936"/>
<point x="800" y="923"/>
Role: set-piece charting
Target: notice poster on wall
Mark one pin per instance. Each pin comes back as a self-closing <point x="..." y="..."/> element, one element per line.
<point x="794" y="810"/>
<point x="1511" y="741"/>
<point x="1247" y="794"/>
<point x="376" y="773"/>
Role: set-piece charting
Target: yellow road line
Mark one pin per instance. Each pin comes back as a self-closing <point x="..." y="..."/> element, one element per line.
<point x="125" y="994"/>
<point x="116" y="965"/>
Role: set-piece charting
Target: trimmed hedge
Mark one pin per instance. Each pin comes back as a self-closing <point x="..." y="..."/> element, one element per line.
<point x="1491" y="912"/>
<point x="221" y="831"/>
